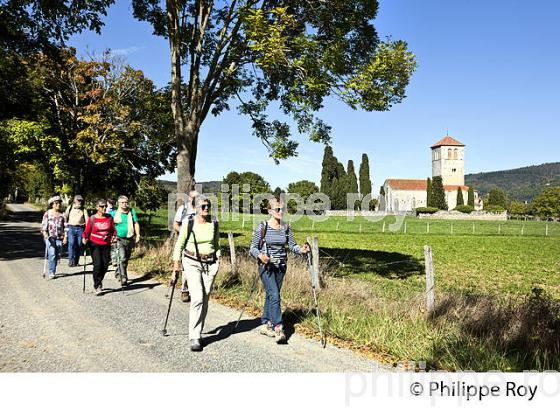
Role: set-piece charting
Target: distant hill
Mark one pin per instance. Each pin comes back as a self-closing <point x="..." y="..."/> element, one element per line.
<point x="522" y="184"/>
<point x="207" y="187"/>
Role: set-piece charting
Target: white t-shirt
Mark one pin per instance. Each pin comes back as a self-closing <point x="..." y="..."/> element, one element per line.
<point x="178" y="216"/>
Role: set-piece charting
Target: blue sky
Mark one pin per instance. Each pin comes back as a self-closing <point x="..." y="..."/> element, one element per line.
<point x="487" y="72"/>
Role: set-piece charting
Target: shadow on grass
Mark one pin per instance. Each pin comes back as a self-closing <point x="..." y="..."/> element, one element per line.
<point x="391" y="265"/>
<point x="523" y="332"/>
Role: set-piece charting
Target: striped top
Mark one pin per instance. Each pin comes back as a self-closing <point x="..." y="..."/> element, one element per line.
<point x="275" y="242"/>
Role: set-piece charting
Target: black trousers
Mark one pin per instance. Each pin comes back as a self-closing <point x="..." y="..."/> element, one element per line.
<point x="101" y="255"/>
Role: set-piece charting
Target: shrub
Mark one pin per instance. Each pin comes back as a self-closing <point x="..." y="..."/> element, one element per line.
<point x="466" y="209"/>
<point x="494" y="209"/>
<point x="426" y="210"/>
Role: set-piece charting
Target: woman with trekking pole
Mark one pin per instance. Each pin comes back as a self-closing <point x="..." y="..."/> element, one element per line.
<point x="269" y="248"/>
<point x="100" y="233"/>
<point x="53" y="228"/>
<point x="198" y="248"/>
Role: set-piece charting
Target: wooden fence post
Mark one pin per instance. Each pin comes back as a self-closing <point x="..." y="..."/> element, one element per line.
<point x="383" y="226"/>
<point x="337" y="225"/>
<point x="234" y="272"/>
<point x="243" y="223"/>
<point x="473" y="228"/>
<point x="430" y="299"/>
<point x="314" y="243"/>
<point x="316" y="280"/>
<point x="405" y="227"/>
<point x="546" y="233"/>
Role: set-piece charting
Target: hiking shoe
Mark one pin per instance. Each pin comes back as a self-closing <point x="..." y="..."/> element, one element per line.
<point x="267" y="330"/>
<point x="51" y="275"/>
<point x="196" y="345"/>
<point x="98" y="291"/>
<point x="185" y="296"/>
<point x="279" y="334"/>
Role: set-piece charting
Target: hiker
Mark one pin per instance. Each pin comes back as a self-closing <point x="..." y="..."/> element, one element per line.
<point x="268" y="246"/>
<point x="53" y="228"/>
<point x="100" y="232"/>
<point x="198" y="246"/>
<point x="77" y="218"/>
<point x="110" y="205"/>
<point x="184" y="212"/>
<point x="128" y="234"/>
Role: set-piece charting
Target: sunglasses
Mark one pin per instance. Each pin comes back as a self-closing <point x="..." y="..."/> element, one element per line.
<point x="204" y="206"/>
<point x="102" y="206"/>
<point x="278" y="209"/>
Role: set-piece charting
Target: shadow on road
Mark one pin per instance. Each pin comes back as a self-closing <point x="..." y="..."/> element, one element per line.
<point x="225" y="331"/>
<point x="20" y="241"/>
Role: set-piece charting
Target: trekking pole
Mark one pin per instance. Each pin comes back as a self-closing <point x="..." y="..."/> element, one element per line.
<point x="172" y="284"/>
<point x="311" y="272"/>
<point x="46" y="256"/>
<point x="119" y="265"/>
<point x="85" y="262"/>
<point x="253" y="287"/>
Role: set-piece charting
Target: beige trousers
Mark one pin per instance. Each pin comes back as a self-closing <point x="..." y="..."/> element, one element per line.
<point x="200" y="278"/>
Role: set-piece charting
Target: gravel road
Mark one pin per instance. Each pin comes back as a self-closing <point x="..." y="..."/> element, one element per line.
<point x="51" y="326"/>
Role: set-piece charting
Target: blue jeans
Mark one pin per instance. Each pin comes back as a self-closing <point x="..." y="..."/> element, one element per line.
<point x="74" y="243"/>
<point x="54" y="249"/>
<point x="272" y="278"/>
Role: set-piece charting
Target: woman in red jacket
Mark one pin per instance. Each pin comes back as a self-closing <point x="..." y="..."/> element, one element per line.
<point x="100" y="233"/>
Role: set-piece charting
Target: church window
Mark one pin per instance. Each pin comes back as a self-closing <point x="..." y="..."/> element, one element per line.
<point x="455" y="154"/>
<point x="449" y="153"/>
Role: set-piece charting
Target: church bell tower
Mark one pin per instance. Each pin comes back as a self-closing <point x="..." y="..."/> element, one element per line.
<point x="448" y="161"/>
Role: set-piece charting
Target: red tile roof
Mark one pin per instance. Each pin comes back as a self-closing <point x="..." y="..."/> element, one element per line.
<point x="448" y="141"/>
<point x="408" y="184"/>
<point x="418" y="185"/>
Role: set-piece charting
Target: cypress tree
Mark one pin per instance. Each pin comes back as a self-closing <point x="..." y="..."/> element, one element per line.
<point x="365" y="181"/>
<point x="460" y="199"/>
<point x="328" y="172"/>
<point x="382" y="191"/>
<point x="438" y="194"/>
<point x="429" y="194"/>
<point x="470" y="200"/>
<point x="352" y="180"/>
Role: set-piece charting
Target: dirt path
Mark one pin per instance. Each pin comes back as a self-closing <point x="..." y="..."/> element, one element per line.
<point x="51" y="326"/>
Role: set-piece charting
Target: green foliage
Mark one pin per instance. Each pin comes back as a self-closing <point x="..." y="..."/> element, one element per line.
<point x="523" y="184"/>
<point x="547" y="204"/>
<point x="100" y="125"/>
<point x="255" y="183"/>
<point x="438" y="194"/>
<point x="496" y="209"/>
<point x="365" y="179"/>
<point x="294" y="54"/>
<point x="352" y="180"/>
<point x="460" y="198"/>
<point x="382" y="191"/>
<point x="150" y="196"/>
<point x="277" y="191"/>
<point x="429" y="193"/>
<point x="466" y="209"/>
<point x="470" y="200"/>
<point x="497" y="197"/>
<point x="304" y="189"/>
<point x="518" y="208"/>
<point x="426" y="210"/>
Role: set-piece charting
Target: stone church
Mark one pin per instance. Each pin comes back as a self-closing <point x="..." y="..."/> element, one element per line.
<point x="448" y="161"/>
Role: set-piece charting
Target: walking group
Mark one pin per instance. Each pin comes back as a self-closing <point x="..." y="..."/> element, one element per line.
<point x="110" y="234"/>
<point x="196" y="253"/>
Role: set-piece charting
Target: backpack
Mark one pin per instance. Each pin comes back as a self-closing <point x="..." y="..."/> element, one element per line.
<point x="91" y="220"/>
<point x="190" y="225"/>
<point x="264" y="228"/>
